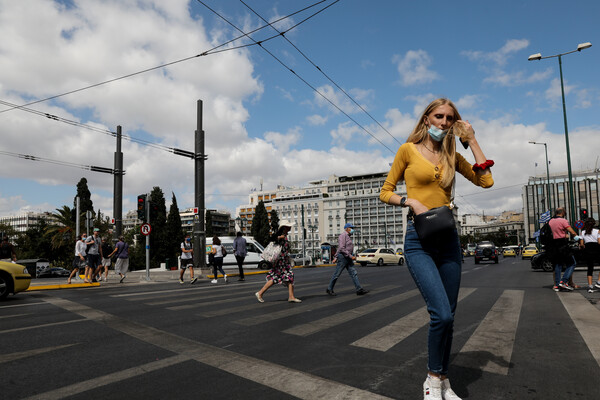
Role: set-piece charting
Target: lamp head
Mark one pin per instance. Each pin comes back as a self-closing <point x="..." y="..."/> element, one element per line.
<point x="583" y="46"/>
<point x="532" y="142"/>
<point x="533" y="57"/>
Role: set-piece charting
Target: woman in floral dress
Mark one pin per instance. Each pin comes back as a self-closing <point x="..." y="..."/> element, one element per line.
<point x="282" y="270"/>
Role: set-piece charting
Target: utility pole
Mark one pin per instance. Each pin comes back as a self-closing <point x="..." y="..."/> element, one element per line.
<point x="118" y="189"/>
<point x="199" y="229"/>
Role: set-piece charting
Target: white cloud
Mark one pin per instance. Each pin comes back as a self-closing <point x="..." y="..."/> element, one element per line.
<point x="316" y="119"/>
<point x="413" y="68"/>
<point x="361" y="96"/>
<point x="283" y="142"/>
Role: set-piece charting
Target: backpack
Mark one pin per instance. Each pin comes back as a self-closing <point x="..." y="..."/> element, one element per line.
<point x="546" y="236"/>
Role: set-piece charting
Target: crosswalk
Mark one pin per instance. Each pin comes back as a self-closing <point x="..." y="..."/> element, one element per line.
<point x="385" y="331"/>
<point x="495" y="334"/>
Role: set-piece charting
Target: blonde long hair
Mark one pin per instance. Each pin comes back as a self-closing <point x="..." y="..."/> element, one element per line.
<point x="448" y="154"/>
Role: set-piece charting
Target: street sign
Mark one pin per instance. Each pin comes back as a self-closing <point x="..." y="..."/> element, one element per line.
<point x="146" y="229"/>
<point x="196" y="210"/>
<point x="112" y="221"/>
<point x="579" y="224"/>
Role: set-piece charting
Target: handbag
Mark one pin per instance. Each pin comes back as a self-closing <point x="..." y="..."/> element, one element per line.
<point x="433" y="223"/>
<point x="272" y="252"/>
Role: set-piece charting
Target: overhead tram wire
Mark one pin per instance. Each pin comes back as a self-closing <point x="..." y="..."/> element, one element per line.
<point x="205" y="53"/>
<point x="320" y="70"/>
<point x="56" y="162"/>
<point x="299" y="77"/>
<point x="103" y="131"/>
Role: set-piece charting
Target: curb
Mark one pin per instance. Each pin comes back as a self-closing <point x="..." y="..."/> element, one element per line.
<point x="33" y="287"/>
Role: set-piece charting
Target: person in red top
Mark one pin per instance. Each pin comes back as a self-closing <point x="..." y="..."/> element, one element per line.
<point x="559" y="251"/>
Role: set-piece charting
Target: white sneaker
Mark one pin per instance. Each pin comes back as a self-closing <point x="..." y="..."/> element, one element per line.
<point x="225" y="277"/>
<point x="213" y="281"/>
<point x="432" y="388"/>
<point x="447" y="392"/>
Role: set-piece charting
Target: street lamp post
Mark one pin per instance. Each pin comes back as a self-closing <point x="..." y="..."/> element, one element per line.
<point x="538" y="56"/>
<point x="547" y="174"/>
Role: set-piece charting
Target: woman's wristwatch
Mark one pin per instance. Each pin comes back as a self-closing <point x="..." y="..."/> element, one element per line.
<point x="403" y="201"/>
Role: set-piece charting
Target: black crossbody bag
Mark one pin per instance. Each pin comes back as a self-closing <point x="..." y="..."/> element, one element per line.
<point x="433" y="224"/>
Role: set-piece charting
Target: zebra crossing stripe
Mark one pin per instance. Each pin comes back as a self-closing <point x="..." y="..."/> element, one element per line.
<point x="586" y="318"/>
<point x="491" y="345"/>
<point x="299" y="384"/>
<point x="387" y="337"/>
<point x="340" y="318"/>
<point x="222" y="311"/>
<point x="298" y="309"/>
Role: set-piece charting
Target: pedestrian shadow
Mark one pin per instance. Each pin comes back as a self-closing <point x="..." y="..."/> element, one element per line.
<point x="468" y="367"/>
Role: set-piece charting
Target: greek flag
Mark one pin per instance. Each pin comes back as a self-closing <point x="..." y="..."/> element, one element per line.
<point x="545" y="217"/>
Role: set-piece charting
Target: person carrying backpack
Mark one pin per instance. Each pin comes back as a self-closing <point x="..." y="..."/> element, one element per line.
<point x="559" y="250"/>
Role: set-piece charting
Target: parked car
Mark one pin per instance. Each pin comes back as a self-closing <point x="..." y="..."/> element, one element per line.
<point x="379" y="256"/>
<point x="14" y="278"/>
<point x="529" y="251"/>
<point x="486" y="251"/>
<point x="54" y="272"/>
<point x="299" y="260"/>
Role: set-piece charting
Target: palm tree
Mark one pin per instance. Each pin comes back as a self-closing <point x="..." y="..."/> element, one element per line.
<point x="62" y="227"/>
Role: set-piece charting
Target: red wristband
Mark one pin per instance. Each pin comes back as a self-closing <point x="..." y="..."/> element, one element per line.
<point x="482" y="166"/>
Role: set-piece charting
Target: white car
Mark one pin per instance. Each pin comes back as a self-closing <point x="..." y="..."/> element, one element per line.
<point x="299" y="260"/>
<point x="253" y="257"/>
<point x="379" y="256"/>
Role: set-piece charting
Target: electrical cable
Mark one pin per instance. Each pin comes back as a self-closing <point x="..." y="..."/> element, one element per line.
<point x="320" y="70"/>
<point x="63" y="163"/>
<point x="298" y="76"/>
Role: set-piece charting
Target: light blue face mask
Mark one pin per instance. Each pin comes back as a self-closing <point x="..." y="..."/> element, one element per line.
<point x="351" y="231"/>
<point x="437" y="134"/>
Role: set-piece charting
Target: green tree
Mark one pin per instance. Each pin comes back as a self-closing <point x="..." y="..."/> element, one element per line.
<point x="174" y="231"/>
<point x="85" y="203"/>
<point x="208" y="224"/>
<point x="158" y="221"/>
<point x="35" y="243"/>
<point x="274" y="221"/>
<point x="260" y="224"/>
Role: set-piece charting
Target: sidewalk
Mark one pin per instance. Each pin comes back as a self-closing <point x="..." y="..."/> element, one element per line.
<point x="157" y="275"/>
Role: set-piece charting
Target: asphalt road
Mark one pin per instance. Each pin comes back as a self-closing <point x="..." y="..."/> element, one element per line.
<point x="514" y="338"/>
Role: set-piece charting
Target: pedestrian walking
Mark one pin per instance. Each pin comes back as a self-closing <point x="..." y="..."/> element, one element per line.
<point x="121" y="251"/>
<point x="559" y="250"/>
<point x="427" y="163"/>
<point x="187" y="261"/>
<point x="94" y="254"/>
<point x="282" y="269"/>
<point x="590" y="244"/>
<point x="107" y="250"/>
<point x="79" y="262"/>
<point x="219" y="252"/>
<point x="240" y="252"/>
<point x="345" y="260"/>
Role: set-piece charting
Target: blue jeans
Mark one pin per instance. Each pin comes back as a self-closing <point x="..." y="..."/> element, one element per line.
<point x="344" y="262"/>
<point x="436" y="269"/>
<point x="568" y="271"/>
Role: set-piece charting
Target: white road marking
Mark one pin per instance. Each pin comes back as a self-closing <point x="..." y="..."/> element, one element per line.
<point x="586" y="318"/>
<point x="387" y="337"/>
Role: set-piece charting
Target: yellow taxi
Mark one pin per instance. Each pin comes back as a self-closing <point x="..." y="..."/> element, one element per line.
<point x="529" y="251"/>
<point x="509" y="252"/>
<point x="14" y="278"/>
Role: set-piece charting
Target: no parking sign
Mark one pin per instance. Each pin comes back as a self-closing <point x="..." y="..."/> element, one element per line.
<point x="579" y="224"/>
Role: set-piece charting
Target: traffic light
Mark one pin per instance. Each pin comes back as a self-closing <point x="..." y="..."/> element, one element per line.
<point x="141" y="207"/>
<point x="583" y="214"/>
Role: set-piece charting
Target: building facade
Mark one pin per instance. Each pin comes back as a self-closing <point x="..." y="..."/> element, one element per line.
<point x="22" y="222"/>
<point x="320" y="210"/>
<point x="537" y="199"/>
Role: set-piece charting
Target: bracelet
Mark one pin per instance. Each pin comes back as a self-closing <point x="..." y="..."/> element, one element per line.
<point x="482" y="166"/>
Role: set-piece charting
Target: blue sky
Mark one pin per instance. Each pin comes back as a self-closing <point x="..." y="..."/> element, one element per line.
<point x="262" y="121"/>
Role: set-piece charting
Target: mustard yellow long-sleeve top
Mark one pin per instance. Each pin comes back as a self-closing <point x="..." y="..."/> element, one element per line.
<point x="422" y="178"/>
